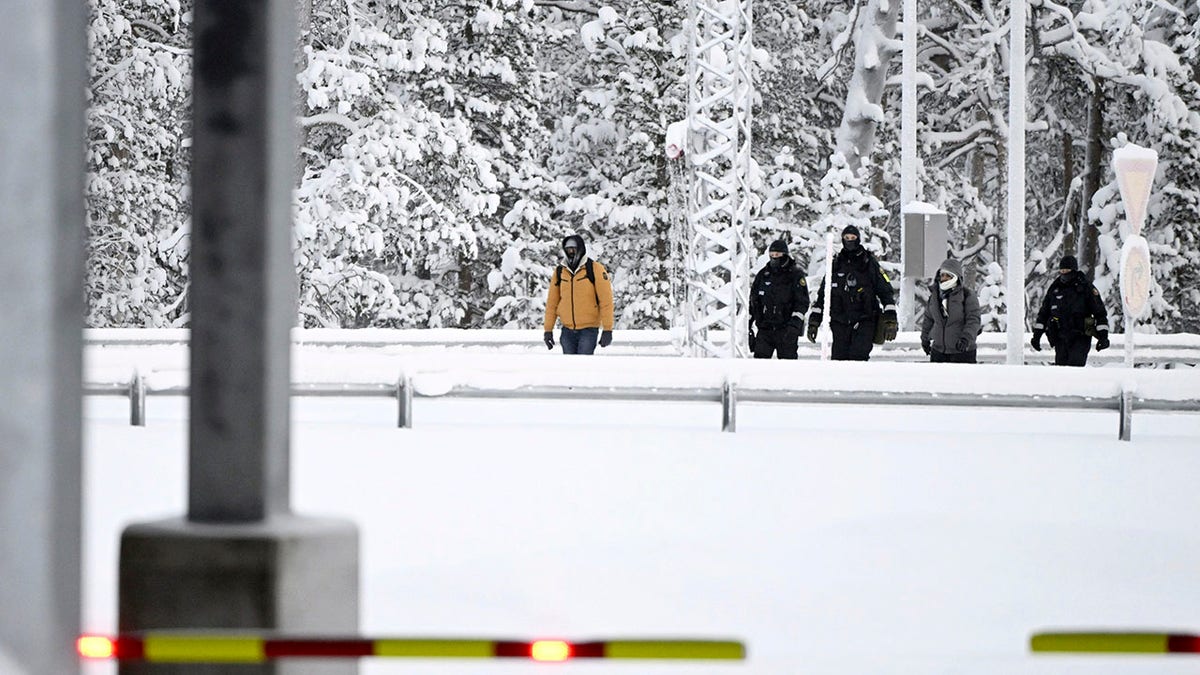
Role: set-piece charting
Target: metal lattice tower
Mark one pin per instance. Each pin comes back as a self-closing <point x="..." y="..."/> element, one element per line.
<point x="719" y="97"/>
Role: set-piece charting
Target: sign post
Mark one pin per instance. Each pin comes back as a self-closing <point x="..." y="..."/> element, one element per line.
<point x="1134" y="167"/>
<point x="825" y="332"/>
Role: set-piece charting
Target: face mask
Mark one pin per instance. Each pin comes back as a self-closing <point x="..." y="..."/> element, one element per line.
<point x="948" y="284"/>
<point x="851" y="245"/>
<point x="776" y="262"/>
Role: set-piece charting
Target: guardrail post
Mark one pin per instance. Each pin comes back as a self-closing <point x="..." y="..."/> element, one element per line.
<point x="729" y="407"/>
<point x="1126" y="408"/>
<point x="137" y="400"/>
<point x="404" y="402"/>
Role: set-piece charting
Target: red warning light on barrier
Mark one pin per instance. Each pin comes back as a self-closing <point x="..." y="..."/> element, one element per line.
<point x="550" y="650"/>
<point x="96" y="647"/>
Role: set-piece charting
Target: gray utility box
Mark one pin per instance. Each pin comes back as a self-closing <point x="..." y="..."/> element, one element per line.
<point x="926" y="240"/>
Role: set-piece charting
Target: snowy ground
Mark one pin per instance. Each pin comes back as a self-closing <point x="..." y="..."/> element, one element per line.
<point x="831" y="539"/>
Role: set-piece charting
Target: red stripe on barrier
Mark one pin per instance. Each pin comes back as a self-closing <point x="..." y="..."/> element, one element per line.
<point x="588" y="650"/>
<point x="274" y="649"/>
<point x="518" y="650"/>
<point x="1185" y="644"/>
<point x="129" y="649"/>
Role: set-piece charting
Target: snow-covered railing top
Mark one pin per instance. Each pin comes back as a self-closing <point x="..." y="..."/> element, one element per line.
<point x="1154" y="350"/>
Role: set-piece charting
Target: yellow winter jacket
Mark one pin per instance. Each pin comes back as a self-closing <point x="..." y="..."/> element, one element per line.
<point x="577" y="303"/>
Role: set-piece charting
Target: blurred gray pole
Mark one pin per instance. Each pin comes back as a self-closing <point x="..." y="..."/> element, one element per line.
<point x="43" y="80"/>
<point x="241" y="297"/>
<point x="241" y="559"/>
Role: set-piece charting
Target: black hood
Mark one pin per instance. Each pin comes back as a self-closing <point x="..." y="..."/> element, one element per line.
<point x="580" y="250"/>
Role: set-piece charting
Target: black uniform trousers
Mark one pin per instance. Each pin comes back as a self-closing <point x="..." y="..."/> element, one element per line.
<point x="942" y="357"/>
<point x="853" y="342"/>
<point x="1072" y="351"/>
<point x="770" y="340"/>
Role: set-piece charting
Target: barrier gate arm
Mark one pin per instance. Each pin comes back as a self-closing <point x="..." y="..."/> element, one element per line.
<point x="238" y="647"/>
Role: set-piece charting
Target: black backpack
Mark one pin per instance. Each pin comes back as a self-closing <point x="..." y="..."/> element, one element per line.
<point x="587" y="270"/>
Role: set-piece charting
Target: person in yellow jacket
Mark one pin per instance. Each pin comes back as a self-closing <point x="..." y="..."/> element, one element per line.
<point x="581" y="298"/>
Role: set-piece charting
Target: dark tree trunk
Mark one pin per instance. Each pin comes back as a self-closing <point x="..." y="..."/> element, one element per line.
<point x="1068" y="156"/>
<point x="1088" y="247"/>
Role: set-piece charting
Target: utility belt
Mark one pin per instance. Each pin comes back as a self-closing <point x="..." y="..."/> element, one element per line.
<point x="1089" y="327"/>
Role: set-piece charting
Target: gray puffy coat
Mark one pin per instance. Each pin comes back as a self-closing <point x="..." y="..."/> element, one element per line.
<point x="951" y="316"/>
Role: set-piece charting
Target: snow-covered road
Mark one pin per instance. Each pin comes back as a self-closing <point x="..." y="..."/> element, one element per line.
<point x="840" y="539"/>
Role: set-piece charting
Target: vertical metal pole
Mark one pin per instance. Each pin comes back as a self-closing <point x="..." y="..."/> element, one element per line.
<point x="1015" y="292"/>
<point x="242" y="287"/>
<point x="137" y="400"/>
<point x="826" y="330"/>
<point x="1126" y="408"/>
<point x="729" y="407"/>
<point x="404" y="402"/>
<point x="43" y="80"/>
<point x="908" y="153"/>
<point x="1129" y="324"/>
<point x="241" y="559"/>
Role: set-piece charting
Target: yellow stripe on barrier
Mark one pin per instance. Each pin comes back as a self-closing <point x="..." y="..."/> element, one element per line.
<point x="475" y="649"/>
<point x="204" y="649"/>
<point x="1129" y="643"/>
<point x="673" y="649"/>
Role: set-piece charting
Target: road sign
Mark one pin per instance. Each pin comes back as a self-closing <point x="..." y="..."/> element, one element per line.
<point x="1135" y="166"/>
<point x="1135" y="277"/>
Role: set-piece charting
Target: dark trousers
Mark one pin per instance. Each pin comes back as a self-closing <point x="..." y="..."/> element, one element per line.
<point x="582" y="341"/>
<point x="941" y="357"/>
<point x="1072" y="351"/>
<point x="853" y="342"/>
<point x="770" y="340"/>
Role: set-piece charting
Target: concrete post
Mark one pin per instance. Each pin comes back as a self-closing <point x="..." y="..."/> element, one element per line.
<point x="43" y="77"/>
<point x="241" y="560"/>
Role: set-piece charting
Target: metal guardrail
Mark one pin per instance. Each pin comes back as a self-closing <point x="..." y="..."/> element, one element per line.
<point x="728" y="395"/>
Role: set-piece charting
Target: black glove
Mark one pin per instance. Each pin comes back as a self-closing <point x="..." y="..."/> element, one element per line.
<point x="548" y="336"/>
<point x="814" y="323"/>
<point x="1102" y="341"/>
<point x="753" y="340"/>
<point x="926" y="346"/>
<point x="1036" y="342"/>
<point x="962" y="344"/>
<point x="796" y="323"/>
<point x="605" y="338"/>
<point x="890" y="325"/>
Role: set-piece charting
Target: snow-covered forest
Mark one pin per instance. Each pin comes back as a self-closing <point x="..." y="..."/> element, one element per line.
<point x="446" y="147"/>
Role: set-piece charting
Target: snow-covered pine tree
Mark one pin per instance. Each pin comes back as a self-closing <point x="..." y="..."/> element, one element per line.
<point x="423" y="161"/>
<point x="137" y="161"/>
<point x="621" y="85"/>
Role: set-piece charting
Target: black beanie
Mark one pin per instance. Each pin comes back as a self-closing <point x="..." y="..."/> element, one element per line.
<point x="778" y="245"/>
<point x="1068" y="263"/>
<point x="850" y="229"/>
